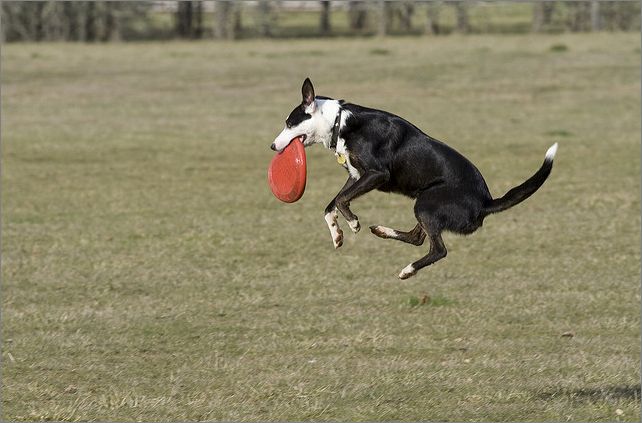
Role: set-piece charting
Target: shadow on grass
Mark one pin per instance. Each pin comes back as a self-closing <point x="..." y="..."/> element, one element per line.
<point x="607" y="393"/>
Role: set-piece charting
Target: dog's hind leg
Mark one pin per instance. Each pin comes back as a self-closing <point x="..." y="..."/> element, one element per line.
<point x="415" y="236"/>
<point x="431" y="211"/>
<point x="437" y="252"/>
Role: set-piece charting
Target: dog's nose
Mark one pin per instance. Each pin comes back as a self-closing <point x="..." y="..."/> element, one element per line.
<point x="273" y="147"/>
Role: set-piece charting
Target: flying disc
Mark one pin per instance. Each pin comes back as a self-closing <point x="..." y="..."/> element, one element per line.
<point x="287" y="172"/>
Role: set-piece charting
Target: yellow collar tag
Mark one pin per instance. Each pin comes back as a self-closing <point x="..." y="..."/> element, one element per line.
<point x="341" y="158"/>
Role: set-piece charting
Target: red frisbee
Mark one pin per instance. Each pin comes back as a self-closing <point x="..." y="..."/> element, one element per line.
<point x="287" y="172"/>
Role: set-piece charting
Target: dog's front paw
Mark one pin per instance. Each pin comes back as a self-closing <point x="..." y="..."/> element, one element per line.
<point x="407" y="272"/>
<point x="354" y="225"/>
<point x="338" y="238"/>
<point x="335" y="231"/>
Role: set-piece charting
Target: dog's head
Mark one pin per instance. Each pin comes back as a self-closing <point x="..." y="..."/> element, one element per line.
<point x="303" y="121"/>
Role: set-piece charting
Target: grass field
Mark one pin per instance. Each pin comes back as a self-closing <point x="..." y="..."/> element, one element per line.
<point x="149" y="274"/>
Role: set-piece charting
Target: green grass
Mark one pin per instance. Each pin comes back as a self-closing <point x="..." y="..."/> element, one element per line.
<point x="559" y="48"/>
<point x="149" y="274"/>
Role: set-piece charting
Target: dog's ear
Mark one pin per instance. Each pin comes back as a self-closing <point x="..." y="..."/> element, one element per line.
<point x="308" y="95"/>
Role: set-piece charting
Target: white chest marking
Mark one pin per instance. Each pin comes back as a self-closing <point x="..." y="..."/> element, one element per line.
<point x="341" y="149"/>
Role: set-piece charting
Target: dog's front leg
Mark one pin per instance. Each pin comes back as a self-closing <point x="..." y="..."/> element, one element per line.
<point x="351" y="190"/>
<point x="331" y="216"/>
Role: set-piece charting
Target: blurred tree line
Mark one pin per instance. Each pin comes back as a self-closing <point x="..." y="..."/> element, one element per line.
<point x="103" y="21"/>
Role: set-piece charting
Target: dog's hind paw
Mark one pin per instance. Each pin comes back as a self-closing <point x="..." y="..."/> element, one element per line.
<point x="354" y="225"/>
<point x="407" y="272"/>
<point x="375" y="230"/>
<point x="383" y="232"/>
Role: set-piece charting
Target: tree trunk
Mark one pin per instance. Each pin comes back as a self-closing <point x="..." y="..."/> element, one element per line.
<point x="624" y="12"/>
<point x="608" y="16"/>
<point x="432" y="18"/>
<point x="579" y="16"/>
<point x="325" y="18"/>
<point x="542" y="15"/>
<point x="90" y="21"/>
<point x="184" y="19"/>
<point x="266" y="18"/>
<point x="100" y="8"/>
<point x="39" y="22"/>
<point x="53" y="15"/>
<point x="405" y="14"/>
<point x="81" y="21"/>
<point x="222" y="12"/>
<point x="461" y="9"/>
<point x="3" y="23"/>
<point x="237" y="28"/>
<point x="538" y="17"/>
<point x="357" y="15"/>
<point x="70" y="30"/>
<point x="197" y="29"/>
<point x="595" y="15"/>
<point x="386" y="12"/>
<point x="22" y="26"/>
<point x="112" y="24"/>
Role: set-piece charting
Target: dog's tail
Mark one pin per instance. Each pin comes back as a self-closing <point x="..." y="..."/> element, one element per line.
<point x="525" y="190"/>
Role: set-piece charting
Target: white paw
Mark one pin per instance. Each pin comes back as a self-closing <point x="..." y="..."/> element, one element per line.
<point x="383" y="232"/>
<point x="407" y="272"/>
<point x="338" y="239"/>
<point x="335" y="232"/>
<point x="354" y="225"/>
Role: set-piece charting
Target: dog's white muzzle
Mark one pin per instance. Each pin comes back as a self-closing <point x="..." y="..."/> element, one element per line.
<point x="284" y="138"/>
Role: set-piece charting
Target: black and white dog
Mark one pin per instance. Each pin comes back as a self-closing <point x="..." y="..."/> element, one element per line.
<point x="385" y="152"/>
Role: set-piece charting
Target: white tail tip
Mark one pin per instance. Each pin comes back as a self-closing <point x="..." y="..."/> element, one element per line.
<point x="550" y="153"/>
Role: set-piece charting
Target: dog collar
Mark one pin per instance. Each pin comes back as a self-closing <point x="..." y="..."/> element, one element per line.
<point x="335" y="130"/>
